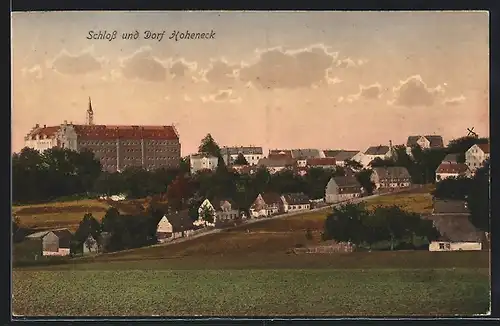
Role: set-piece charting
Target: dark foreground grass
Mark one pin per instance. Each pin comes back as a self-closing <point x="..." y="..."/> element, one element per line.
<point x="306" y="292"/>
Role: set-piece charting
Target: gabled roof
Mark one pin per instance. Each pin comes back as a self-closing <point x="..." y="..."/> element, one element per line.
<point x="451" y="158"/>
<point x="43" y="132"/>
<point x="323" y="161"/>
<point x="346" y="181"/>
<point x="456" y="228"/>
<point x="201" y="155"/>
<point x="345" y="155"/>
<point x="331" y="152"/>
<point x="452" y="168"/>
<point x="271" y="198"/>
<point x="377" y="150"/>
<point x="448" y="206"/>
<point x="281" y="162"/>
<point x="180" y="221"/>
<point x="484" y="147"/>
<point x="245" y="150"/>
<point x="392" y="172"/>
<point x="112" y="132"/>
<point x="297" y="199"/>
<point x="219" y="203"/>
<point x="306" y="153"/>
<point x="435" y="141"/>
<point x="286" y="152"/>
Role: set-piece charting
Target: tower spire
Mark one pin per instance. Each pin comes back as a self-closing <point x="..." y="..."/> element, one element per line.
<point x="90" y="114"/>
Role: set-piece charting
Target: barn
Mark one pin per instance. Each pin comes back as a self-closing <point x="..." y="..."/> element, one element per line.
<point x="53" y="242"/>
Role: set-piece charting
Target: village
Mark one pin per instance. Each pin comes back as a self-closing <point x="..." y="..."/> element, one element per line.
<point x="351" y="176"/>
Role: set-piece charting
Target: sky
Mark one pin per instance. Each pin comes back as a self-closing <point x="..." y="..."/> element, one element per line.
<point x="327" y="80"/>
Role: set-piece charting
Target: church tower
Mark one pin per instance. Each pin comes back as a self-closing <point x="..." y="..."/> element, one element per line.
<point x="90" y="114"/>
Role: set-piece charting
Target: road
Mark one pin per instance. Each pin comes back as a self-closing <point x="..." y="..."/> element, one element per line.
<point x="252" y="221"/>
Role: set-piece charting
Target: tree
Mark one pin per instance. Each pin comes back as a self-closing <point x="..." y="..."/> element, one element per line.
<point x="110" y="220"/>
<point x="453" y="188"/>
<point x="207" y="214"/>
<point x="462" y="144"/>
<point x="178" y="192"/>
<point x="88" y="225"/>
<point x="185" y="165"/>
<point x="378" y="162"/>
<point x="478" y="199"/>
<point x="364" y="178"/>
<point x="241" y="160"/>
<point x="374" y="229"/>
<point x="353" y="164"/>
<point x="344" y="224"/>
<point x="209" y="145"/>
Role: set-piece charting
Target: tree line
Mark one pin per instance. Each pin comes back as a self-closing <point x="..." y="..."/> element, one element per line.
<point x="365" y="228"/>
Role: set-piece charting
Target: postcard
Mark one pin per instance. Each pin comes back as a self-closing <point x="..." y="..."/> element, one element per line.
<point x="216" y="164"/>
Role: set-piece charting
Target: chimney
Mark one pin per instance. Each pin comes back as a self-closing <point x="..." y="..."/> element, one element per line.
<point x="37" y="126"/>
<point x="45" y="126"/>
<point x="65" y="122"/>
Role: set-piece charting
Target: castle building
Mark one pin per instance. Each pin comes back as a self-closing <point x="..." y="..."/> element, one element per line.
<point x="117" y="147"/>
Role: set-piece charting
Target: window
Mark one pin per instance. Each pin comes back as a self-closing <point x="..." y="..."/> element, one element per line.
<point x="441" y="246"/>
<point x="448" y="246"/>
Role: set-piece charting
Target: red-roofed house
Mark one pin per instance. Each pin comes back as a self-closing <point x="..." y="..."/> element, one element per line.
<point x="117" y="147"/>
<point x="476" y="155"/>
<point x="451" y="170"/>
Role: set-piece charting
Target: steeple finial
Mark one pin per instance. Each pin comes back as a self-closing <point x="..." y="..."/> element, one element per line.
<point x="90" y="113"/>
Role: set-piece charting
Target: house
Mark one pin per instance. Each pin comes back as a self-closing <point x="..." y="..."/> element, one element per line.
<point x="296" y="202"/>
<point x="226" y="212"/>
<point x="342" y="156"/>
<point x="476" y="156"/>
<point x="173" y="226"/>
<point x="324" y="163"/>
<point x="451" y="158"/>
<point x="274" y="165"/>
<point x="207" y="214"/>
<point x="382" y="152"/>
<point x="54" y="242"/>
<point x="424" y="142"/>
<point x="244" y="169"/>
<point x="280" y="153"/>
<point x="90" y="245"/>
<point x="342" y="188"/>
<point x="451" y="170"/>
<point x="203" y="161"/>
<point x="267" y="204"/>
<point x="251" y="154"/>
<point x="307" y="153"/>
<point x="391" y="177"/>
<point x="451" y="219"/>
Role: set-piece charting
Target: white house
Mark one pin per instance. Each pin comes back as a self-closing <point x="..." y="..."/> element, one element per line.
<point x="46" y="137"/>
<point x="445" y="245"/>
<point x="340" y="189"/>
<point x="296" y="202"/>
<point x="451" y="170"/>
<point x="173" y="226"/>
<point x="251" y="154"/>
<point x="383" y="152"/>
<point x="267" y="204"/>
<point x="90" y="245"/>
<point x="391" y="177"/>
<point x="476" y="156"/>
<point x="203" y="161"/>
<point x="451" y="219"/>
<point x="424" y="142"/>
<point x="275" y="165"/>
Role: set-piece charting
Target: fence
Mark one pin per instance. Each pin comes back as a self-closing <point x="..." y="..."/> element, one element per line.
<point x="329" y="249"/>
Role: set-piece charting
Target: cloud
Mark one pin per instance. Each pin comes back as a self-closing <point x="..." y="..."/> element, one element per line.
<point x="221" y="96"/>
<point x="79" y="64"/>
<point x="278" y="69"/>
<point x="413" y="92"/>
<point x="349" y="63"/>
<point x="454" y="100"/>
<point x="142" y="65"/>
<point x="330" y="78"/>
<point x="34" y="72"/>
<point x="181" y="68"/>
<point x="187" y="98"/>
<point x="221" y="72"/>
<point x="371" y="92"/>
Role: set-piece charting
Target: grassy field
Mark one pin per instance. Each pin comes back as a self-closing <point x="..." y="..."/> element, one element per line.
<point x="307" y="292"/>
<point x="413" y="202"/>
<point x="68" y="214"/>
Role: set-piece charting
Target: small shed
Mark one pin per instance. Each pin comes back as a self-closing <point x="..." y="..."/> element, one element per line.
<point x="53" y="242"/>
